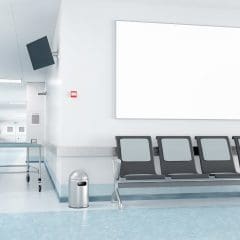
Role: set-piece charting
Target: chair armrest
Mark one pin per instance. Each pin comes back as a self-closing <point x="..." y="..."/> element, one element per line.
<point x="116" y="168"/>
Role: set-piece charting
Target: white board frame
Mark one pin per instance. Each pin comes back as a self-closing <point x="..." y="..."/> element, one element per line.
<point x="124" y="116"/>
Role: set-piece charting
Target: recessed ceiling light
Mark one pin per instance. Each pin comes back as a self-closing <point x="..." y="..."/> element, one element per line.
<point x="16" y="81"/>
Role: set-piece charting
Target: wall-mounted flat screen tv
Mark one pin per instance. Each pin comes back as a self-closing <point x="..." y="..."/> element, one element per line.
<point x="40" y="53"/>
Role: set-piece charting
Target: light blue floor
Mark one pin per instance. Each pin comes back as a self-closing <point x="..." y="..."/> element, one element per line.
<point x="195" y="223"/>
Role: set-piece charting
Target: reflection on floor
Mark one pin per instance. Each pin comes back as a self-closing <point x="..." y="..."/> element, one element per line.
<point x="189" y="223"/>
<point x="16" y="195"/>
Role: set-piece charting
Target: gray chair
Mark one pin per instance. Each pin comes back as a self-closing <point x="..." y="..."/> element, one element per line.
<point x="136" y="155"/>
<point x="177" y="157"/>
<point x="136" y="165"/>
<point x="216" y="156"/>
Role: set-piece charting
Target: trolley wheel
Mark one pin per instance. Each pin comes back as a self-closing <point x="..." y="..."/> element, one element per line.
<point x="28" y="178"/>
<point x="39" y="188"/>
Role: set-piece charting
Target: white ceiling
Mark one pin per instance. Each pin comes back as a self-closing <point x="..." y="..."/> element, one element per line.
<point x="23" y="21"/>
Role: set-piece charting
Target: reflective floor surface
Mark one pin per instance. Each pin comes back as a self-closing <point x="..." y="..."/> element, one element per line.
<point x="195" y="223"/>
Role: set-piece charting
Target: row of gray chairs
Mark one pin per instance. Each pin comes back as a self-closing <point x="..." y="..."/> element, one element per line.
<point x="177" y="158"/>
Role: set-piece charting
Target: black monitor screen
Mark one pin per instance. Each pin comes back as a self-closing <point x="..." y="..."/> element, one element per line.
<point x="40" y="53"/>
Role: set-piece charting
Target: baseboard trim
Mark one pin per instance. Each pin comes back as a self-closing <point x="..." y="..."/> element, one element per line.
<point x="163" y="196"/>
<point x="53" y="183"/>
<point x="91" y="199"/>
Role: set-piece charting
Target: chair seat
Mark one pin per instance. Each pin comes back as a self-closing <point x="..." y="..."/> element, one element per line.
<point x="188" y="176"/>
<point x="226" y="175"/>
<point x="143" y="177"/>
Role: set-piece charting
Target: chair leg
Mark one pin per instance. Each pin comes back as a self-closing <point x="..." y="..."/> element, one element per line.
<point x="116" y="192"/>
<point x="114" y="197"/>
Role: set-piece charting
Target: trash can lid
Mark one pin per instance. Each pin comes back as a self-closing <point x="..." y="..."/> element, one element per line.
<point x="78" y="175"/>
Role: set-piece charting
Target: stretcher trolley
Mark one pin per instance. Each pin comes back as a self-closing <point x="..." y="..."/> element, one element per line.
<point x="28" y="167"/>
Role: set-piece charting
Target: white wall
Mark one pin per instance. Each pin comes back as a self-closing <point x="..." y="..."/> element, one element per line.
<point x="53" y="118"/>
<point x="35" y="105"/>
<point x="87" y="64"/>
<point x="53" y="97"/>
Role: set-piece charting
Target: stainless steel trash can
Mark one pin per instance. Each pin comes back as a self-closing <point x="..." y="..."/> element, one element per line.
<point x="78" y="190"/>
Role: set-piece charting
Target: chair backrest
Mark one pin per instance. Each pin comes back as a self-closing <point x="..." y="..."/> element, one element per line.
<point x="176" y="154"/>
<point x="136" y="155"/>
<point x="215" y="154"/>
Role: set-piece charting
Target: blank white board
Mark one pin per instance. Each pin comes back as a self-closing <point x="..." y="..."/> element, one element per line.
<point x="172" y="71"/>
